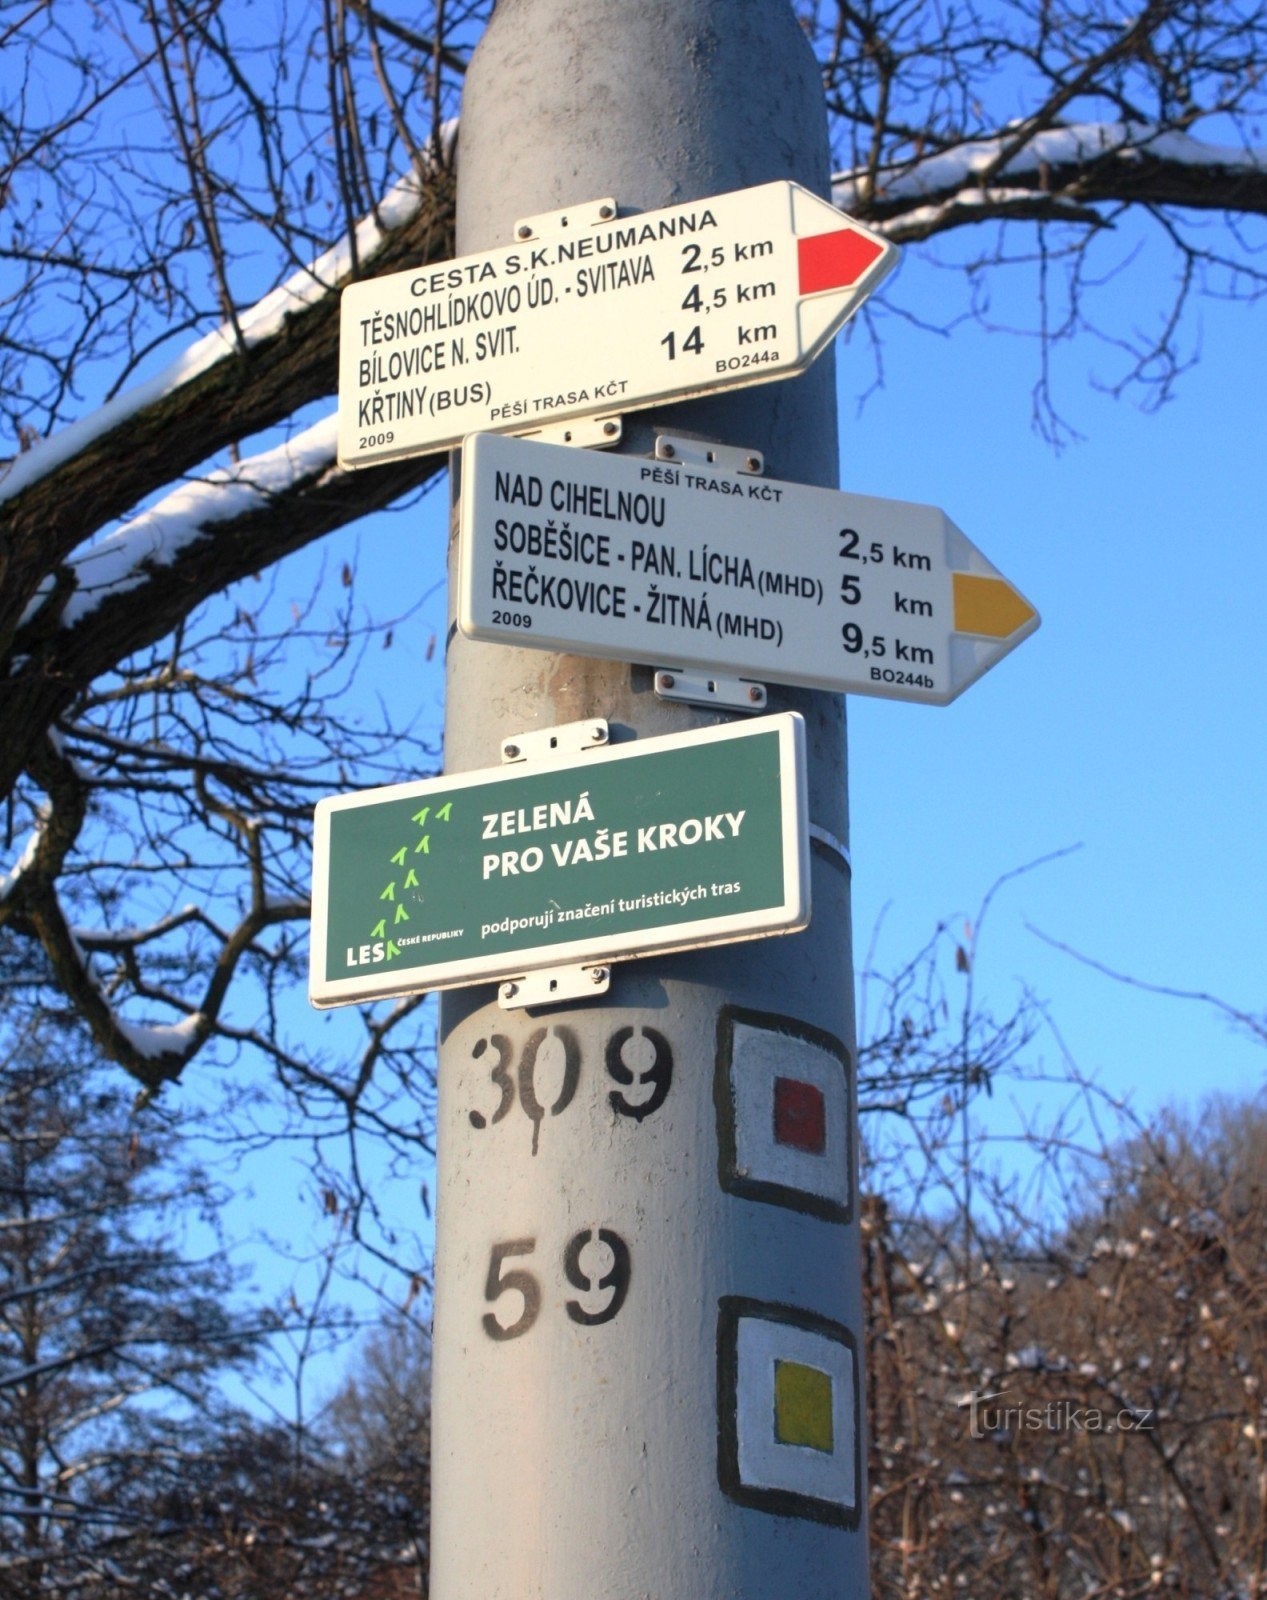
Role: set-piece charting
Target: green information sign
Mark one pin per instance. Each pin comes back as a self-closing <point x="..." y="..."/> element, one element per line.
<point x="660" y="844"/>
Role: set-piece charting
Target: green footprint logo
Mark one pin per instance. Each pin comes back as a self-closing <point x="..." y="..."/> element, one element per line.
<point x="400" y="858"/>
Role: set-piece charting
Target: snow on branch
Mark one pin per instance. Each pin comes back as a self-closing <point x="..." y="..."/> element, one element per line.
<point x="1071" y="162"/>
<point x="65" y="490"/>
<point x="195" y="543"/>
<point x="153" y="1052"/>
<point x="124" y="558"/>
<point x="255" y="326"/>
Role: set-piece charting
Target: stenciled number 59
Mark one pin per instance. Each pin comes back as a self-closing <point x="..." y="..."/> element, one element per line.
<point x="500" y="1279"/>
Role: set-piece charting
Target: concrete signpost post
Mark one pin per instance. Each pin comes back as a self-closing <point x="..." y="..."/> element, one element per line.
<point x="648" y="1323"/>
<point x="648" y="1318"/>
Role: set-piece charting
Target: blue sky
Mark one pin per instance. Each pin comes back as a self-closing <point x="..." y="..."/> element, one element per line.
<point x="1130" y="725"/>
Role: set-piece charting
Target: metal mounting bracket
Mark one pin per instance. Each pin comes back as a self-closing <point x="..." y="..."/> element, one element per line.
<point x="595" y="433"/>
<point x="709" y="689"/>
<point x="571" y="219"/>
<point x="553" y="986"/>
<point x="700" y="453"/>
<point x="829" y="842"/>
<point x="543" y="744"/>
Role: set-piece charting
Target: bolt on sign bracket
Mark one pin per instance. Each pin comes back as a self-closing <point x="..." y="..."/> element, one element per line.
<point x="702" y="453"/>
<point x="569" y="220"/>
<point x="553" y="986"/>
<point x="568" y="739"/>
<point x="710" y="689"/>
<point x="594" y="433"/>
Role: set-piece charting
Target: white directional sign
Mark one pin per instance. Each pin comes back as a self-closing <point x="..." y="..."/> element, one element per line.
<point x="683" y="566"/>
<point x="599" y="316"/>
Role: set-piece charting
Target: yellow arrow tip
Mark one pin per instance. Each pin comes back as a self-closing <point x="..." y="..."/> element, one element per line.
<point x="989" y="606"/>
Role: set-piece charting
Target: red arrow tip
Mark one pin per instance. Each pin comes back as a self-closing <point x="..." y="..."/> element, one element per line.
<point x="834" y="260"/>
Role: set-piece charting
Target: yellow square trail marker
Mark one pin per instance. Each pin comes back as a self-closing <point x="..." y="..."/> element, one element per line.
<point x="802" y="1406"/>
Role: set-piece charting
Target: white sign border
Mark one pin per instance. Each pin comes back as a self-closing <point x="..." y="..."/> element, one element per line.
<point x="792" y="915"/>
